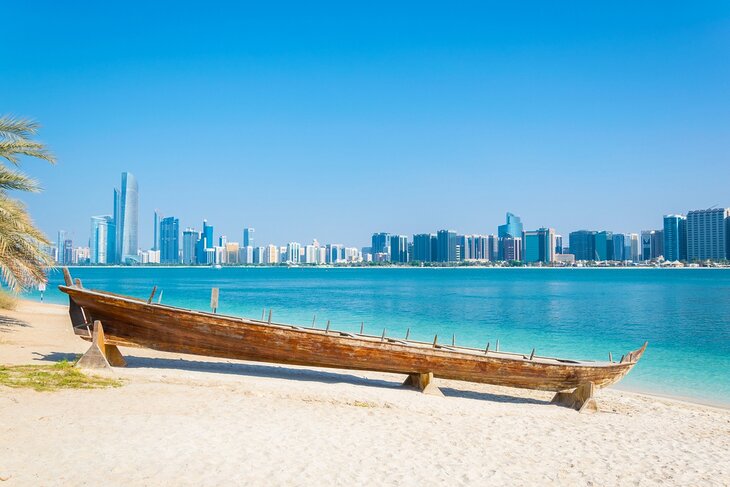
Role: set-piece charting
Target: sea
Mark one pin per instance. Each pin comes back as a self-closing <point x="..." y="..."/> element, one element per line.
<point x="577" y="313"/>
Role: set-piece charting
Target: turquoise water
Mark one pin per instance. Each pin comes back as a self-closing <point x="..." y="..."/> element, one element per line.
<point x="574" y="313"/>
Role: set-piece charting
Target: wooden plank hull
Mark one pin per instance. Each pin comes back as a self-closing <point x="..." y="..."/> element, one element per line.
<point x="132" y="322"/>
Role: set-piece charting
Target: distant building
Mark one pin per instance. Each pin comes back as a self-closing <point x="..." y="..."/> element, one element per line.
<point x="248" y="240"/>
<point x="493" y="248"/>
<point x="204" y="244"/>
<point x="558" y="244"/>
<point x="126" y="219"/>
<point x="675" y="237"/>
<point x="293" y="251"/>
<point x="59" y="247"/>
<point x="380" y="243"/>
<point x="538" y="245"/>
<point x="446" y="246"/>
<point x="511" y="248"/>
<point x="619" y="247"/>
<point x="169" y="240"/>
<point x="707" y="234"/>
<point x="399" y="248"/>
<point x="423" y="246"/>
<point x="245" y="255"/>
<point x="657" y="244"/>
<point x="583" y="244"/>
<point x="258" y="255"/>
<point x="190" y="238"/>
<point x="604" y="246"/>
<point x="634" y="246"/>
<point x="100" y="243"/>
<point x="156" y="232"/>
<point x="68" y="252"/>
<point x="512" y="228"/>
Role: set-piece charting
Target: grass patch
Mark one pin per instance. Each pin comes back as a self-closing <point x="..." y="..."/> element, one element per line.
<point x="61" y="375"/>
<point x="8" y="301"/>
<point x="364" y="404"/>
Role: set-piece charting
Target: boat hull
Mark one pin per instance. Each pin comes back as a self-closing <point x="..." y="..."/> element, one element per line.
<point x="132" y="322"/>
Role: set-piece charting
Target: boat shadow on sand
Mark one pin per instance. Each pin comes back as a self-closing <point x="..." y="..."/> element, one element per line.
<point x="284" y="372"/>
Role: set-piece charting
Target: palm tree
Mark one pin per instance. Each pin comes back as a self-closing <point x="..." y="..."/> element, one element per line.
<point x="22" y="259"/>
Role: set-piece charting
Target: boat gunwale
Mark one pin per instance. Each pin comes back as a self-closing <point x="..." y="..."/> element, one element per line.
<point x="411" y="345"/>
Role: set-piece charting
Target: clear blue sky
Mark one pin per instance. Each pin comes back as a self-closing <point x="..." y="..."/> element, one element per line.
<point x="340" y="120"/>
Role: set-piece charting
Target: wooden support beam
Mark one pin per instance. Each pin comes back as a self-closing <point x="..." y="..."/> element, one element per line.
<point x="424" y="383"/>
<point x="214" y="300"/>
<point x="408" y="333"/>
<point x="67" y="277"/>
<point x="532" y="355"/>
<point x="362" y="326"/>
<point x="435" y="339"/>
<point x="314" y="321"/>
<point x="382" y="338"/>
<point x="486" y="350"/>
<point x="100" y="354"/>
<point x="582" y="399"/>
<point x="270" y="311"/>
<point x="326" y="330"/>
<point x="152" y="294"/>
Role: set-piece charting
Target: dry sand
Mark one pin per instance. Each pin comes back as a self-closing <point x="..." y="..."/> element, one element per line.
<point x="182" y="420"/>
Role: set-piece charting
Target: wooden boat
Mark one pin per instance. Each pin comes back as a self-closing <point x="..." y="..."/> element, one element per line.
<point x="131" y="322"/>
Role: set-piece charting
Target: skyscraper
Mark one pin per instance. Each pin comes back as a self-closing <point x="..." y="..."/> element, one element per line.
<point x="512" y="228"/>
<point x="380" y="243"/>
<point x="398" y="248"/>
<point x="446" y="246"/>
<point x="59" y="246"/>
<point x="539" y="245"/>
<point x="675" y="237"/>
<point x="126" y="219"/>
<point x="248" y="240"/>
<point x="169" y="240"/>
<point x="190" y="238"/>
<point x="204" y="245"/>
<point x="422" y="247"/>
<point x="634" y="247"/>
<point x="156" y="232"/>
<point x="511" y="248"/>
<point x="100" y="243"/>
<point x="583" y="244"/>
<point x="604" y="246"/>
<point x="619" y="247"/>
<point x="707" y="234"/>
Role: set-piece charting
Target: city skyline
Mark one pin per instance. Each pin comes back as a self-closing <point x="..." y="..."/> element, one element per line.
<point x="699" y="235"/>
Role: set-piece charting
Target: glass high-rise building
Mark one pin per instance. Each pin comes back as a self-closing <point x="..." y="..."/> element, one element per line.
<point x="583" y="244"/>
<point x="675" y="237"/>
<point x="511" y="228"/>
<point x="707" y="234"/>
<point x="539" y="245"/>
<point x="190" y="238"/>
<point x="126" y="219"/>
<point x="248" y="240"/>
<point x="604" y="246"/>
<point x="619" y="247"/>
<point x="101" y="243"/>
<point x="380" y="244"/>
<point x="399" y="248"/>
<point x="156" y="232"/>
<point x="169" y="240"/>
<point x="423" y="244"/>
<point x="446" y="246"/>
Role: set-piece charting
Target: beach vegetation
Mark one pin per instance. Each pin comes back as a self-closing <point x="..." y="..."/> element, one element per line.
<point x="23" y="258"/>
<point x="61" y="375"/>
<point x="7" y="300"/>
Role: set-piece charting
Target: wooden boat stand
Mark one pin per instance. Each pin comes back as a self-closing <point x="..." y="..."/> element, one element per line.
<point x="424" y="383"/>
<point x="100" y="354"/>
<point x="581" y="399"/>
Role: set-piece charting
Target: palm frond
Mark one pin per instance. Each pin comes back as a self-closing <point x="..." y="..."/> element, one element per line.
<point x="10" y="150"/>
<point x="17" y="128"/>
<point x="16" y="180"/>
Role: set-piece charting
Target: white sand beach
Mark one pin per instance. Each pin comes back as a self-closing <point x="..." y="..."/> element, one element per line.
<point x="184" y="420"/>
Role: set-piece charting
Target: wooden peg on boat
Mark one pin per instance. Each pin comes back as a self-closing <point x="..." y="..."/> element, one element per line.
<point x="314" y="320"/>
<point x="328" y="327"/>
<point x="270" y="311"/>
<point x="435" y="339"/>
<point x="152" y="294"/>
<point x="214" y="299"/>
<point x="408" y="333"/>
<point x="78" y="282"/>
<point x="362" y="326"/>
<point x="67" y="277"/>
<point x="382" y="338"/>
<point x="453" y="340"/>
<point x="532" y="355"/>
<point x="159" y="298"/>
<point x="610" y="357"/>
<point x="496" y="347"/>
<point x="486" y="350"/>
<point x="263" y="312"/>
